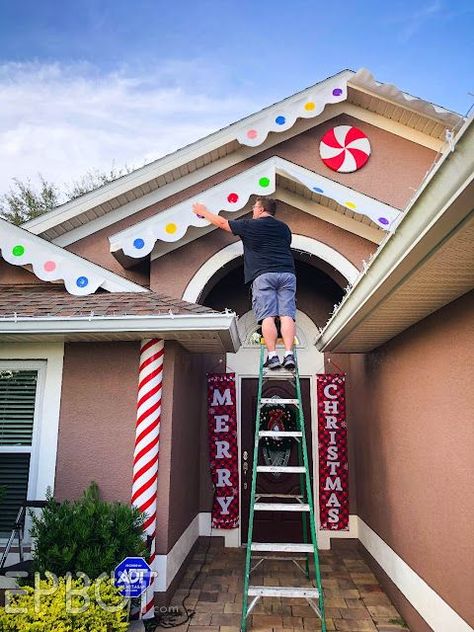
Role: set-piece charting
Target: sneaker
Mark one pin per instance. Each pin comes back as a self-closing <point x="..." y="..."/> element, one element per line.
<point x="289" y="362"/>
<point x="272" y="363"/>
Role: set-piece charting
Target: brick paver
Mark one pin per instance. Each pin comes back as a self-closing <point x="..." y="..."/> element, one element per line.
<point x="354" y="600"/>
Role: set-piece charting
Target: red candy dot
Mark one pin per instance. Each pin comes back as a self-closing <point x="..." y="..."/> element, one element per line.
<point x="232" y="198"/>
<point x="252" y="133"/>
<point x="49" y="266"/>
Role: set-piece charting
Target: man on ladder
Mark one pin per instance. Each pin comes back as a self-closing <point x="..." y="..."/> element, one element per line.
<point x="270" y="267"/>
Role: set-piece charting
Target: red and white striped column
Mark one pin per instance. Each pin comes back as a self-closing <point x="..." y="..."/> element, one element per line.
<point x="147" y="447"/>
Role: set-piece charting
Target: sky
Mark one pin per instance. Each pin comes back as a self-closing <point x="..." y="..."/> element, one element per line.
<point x="101" y="84"/>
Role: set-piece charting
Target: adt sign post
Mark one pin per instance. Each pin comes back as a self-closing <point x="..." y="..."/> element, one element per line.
<point x="133" y="576"/>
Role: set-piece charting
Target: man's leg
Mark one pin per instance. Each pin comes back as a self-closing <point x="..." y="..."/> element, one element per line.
<point x="269" y="332"/>
<point x="288" y="331"/>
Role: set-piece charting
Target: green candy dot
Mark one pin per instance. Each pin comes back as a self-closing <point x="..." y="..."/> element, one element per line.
<point x="264" y="182"/>
<point x="18" y="251"/>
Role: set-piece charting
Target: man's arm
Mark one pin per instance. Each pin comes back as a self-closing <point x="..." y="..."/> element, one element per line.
<point x="220" y="222"/>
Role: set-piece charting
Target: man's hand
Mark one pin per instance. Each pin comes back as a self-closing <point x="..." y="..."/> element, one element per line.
<point x="199" y="209"/>
<point x="202" y="211"/>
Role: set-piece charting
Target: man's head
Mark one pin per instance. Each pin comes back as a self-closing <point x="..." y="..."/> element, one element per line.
<point x="263" y="206"/>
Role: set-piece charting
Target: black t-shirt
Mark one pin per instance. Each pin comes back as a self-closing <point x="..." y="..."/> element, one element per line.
<point x="266" y="243"/>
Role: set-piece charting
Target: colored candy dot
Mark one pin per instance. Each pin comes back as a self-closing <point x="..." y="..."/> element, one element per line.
<point x="49" y="266"/>
<point x="264" y="182"/>
<point x="309" y="106"/>
<point x="280" y="120"/>
<point x="383" y="220"/>
<point x="350" y="204"/>
<point x="337" y="92"/>
<point x="318" y="190"/>
<point x="18" y="250"/>
<point x="170" y="228"/>
<point x="138" y="243"/>
<point x="232" y="198"/>
<point x="252" y="133"/>
<point x="82" y="281"/>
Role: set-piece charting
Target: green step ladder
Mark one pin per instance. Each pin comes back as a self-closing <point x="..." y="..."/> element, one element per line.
<point x="302" y="502"/>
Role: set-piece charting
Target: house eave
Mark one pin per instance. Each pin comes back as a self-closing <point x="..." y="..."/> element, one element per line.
<point x="206" y="333"/>
<point x="405" y="280"/>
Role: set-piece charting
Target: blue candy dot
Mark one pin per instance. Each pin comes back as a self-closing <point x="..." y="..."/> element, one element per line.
<point x="280" y="120"/>
<point x="318" y="190"/>
<point x="82" y="281"/>
<point x="138" y="243"/>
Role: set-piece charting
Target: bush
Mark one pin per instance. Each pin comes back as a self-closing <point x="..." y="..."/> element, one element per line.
<point x="89" y="535"/>
<point x="65" y="611"/>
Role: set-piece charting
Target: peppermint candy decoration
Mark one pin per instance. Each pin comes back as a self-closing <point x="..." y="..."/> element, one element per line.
<point x="344" y="149"/>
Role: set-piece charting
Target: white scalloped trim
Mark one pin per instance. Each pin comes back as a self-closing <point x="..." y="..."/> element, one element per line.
<point x="308" y="105"/>
<point x="139" y="240"/>
<point x="51" y="263"/>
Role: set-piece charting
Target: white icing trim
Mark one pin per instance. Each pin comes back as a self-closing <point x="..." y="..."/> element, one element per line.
<point x="67" y="266"/>
<point x="233" y="194"/>
<point x="299" y="242"/>
<point x="309" y="104"/>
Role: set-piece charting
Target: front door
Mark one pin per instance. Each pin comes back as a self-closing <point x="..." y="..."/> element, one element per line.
<point x="270" y="526"/>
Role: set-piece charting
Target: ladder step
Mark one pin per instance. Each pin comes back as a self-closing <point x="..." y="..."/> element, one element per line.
<point x="277" y="400"/>
<point x="279" y="433"/>
<point x="287" y="547"/>
<point x="289" y="469"/>
<point x="281" y="507"/>
<point x="283" y="591"/>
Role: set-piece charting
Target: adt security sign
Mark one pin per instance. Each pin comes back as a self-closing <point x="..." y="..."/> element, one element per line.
<point x="132" y="576"/>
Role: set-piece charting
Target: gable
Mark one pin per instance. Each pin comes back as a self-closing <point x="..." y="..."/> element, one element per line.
<point x="354" y="93"/>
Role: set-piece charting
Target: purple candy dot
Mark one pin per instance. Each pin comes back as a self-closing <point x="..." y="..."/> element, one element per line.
<point x="337" y="92"/>
<point x="383" y="220"/>
<point x="201" y="216"/>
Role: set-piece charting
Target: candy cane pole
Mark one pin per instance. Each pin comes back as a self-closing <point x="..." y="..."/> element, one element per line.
<point x="147" y="447"/>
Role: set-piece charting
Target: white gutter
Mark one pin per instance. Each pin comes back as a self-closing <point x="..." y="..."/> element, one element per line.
<point x="160" y="324"/>
<point x="429" y="219"/>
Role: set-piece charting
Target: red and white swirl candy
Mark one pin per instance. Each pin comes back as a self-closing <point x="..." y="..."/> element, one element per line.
<point x="344" y="148"/>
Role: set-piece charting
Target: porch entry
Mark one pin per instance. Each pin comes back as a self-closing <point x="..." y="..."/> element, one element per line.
<point x="279" y="526"/>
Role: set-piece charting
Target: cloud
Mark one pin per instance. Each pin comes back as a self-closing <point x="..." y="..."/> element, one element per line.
<point x="412" y="22"/>
<point x="62" y="120"/>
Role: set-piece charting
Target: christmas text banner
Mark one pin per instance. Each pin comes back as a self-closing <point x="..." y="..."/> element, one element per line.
<point x="332" y="442"/>
<point x="223" y="454"/>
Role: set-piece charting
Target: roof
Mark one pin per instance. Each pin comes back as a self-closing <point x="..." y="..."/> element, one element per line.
<point x="426" y="264"/>
<point x="241" y="140"/>
<point x="38" y="313"/>
<point x="49" y="300"/>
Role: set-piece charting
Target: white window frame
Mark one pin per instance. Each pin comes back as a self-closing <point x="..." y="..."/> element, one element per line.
<point x="47" y="359"/>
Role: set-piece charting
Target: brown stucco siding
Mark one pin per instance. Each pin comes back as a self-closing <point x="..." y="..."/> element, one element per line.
<point x="392" y="174"/>
<point x="412" y="422"/>
<point x="97" y="419"/>
<point x="13" y="275"/>
<point x="172" y="272"/>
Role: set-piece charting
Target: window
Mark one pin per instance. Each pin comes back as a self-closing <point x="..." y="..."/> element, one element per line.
<point x="20" y="386"/>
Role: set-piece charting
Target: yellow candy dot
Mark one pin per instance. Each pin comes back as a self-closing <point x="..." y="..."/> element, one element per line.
<point x="170" y="228"/>
<point x="350" y="204"/>
<point x="310" y="105"/>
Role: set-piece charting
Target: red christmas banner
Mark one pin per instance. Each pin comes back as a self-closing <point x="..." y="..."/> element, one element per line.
<point x="223" y="453"/>
<point x="332" y="443"/>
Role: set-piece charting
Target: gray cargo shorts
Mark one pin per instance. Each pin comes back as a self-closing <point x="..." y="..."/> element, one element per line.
<point x="273" y="294"/>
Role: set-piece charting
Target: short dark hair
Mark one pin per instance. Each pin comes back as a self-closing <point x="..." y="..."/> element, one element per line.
<point x="269" y="204"/>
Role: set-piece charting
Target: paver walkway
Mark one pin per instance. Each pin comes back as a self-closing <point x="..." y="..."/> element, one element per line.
<point x="353" y="597"/>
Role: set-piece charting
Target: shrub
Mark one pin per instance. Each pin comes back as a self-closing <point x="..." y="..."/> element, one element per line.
<point x="65" y="610"/>
<point x="89" y="535"/>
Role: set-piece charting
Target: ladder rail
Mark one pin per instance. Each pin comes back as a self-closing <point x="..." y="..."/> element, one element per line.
<point x="310" y="499"/>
